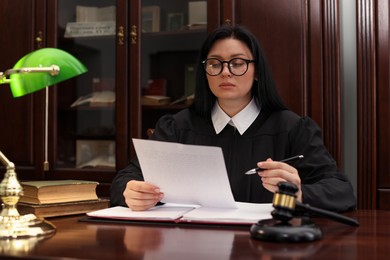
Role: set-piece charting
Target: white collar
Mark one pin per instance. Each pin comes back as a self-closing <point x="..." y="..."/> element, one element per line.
<point x="242" y="120"/>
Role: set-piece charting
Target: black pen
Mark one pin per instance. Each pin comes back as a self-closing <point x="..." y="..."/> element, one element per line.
<point x="255" y="170"/>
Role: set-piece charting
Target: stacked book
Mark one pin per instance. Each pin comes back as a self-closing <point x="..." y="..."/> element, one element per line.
<point x="59" y="198"/>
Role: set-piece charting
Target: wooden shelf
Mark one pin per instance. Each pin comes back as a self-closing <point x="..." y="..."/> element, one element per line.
<point x="165" y="107"/>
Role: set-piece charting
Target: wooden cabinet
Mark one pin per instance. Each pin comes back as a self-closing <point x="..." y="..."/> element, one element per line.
<point x="120" y="63"/>
<point x="299" y="38"/>
<point x="21" y="119"/>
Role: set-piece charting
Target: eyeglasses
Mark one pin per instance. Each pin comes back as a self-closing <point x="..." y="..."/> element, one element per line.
<point x="236" y="66"/>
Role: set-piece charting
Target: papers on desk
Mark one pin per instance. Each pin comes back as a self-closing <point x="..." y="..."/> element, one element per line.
<point x="168" y="212"/>
<point x="245" y="213"/>
<point x="188" y="174"/>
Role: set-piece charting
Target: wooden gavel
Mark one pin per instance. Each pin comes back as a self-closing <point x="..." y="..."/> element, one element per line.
<point x="285" y="204"/>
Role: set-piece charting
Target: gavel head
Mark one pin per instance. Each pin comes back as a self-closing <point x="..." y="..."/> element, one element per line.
<point x="284" y="201"/>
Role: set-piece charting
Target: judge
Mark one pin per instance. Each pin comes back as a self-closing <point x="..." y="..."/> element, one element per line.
<point x="237" y="108"/>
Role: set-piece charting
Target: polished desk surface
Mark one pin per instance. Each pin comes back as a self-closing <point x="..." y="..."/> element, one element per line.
<point x="88" y="240"/>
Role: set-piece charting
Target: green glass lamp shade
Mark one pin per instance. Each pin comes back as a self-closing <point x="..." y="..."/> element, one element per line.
<point x="25" y="83"/>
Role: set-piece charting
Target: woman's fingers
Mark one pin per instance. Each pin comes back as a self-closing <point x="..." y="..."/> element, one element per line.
<point x="140" y="195"/>
<point x="275" y="172"/>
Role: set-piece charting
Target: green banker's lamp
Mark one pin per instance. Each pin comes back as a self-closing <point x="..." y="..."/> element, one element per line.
<point x="35" y="71"/>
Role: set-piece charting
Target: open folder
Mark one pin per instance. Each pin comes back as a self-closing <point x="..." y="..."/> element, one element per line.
<point x="195" y="184"/>
<point x="244" y="214"/>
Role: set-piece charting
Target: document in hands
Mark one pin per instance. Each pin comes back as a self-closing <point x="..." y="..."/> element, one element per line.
<point x="192" y="175"/>
<point x="187" y="174"/>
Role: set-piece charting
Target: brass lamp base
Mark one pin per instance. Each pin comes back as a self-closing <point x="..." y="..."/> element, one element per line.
<point x="27" y="225"/>
<point x="13" y="225"/>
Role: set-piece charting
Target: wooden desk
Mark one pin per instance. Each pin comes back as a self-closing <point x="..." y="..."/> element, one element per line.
<point x="81" y="240"/>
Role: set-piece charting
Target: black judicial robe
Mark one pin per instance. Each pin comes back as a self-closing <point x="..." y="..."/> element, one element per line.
<point x="275" y="135"/>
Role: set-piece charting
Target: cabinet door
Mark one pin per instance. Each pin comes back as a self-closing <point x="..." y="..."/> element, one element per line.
<point x="172" y="33"/>
<point x="88" y="114"/>
<point x="301" y="42"/>
<point x="21" y="118"/>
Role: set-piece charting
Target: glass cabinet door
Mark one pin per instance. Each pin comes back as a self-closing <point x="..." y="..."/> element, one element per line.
<point x="171" y="36"/>
<point x="93" y="130"/>
<point x="86" y="121"/>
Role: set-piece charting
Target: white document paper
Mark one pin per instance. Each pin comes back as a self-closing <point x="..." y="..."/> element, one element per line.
<point x="245" y="213"/>
<point x="167" y="212"/>
<point x="186" y="174"/>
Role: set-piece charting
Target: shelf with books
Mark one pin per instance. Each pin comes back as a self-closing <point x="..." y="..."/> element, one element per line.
<point x="96" y="108"/>
<point x="167" y="15"/>
<point x="179" y="33"/>
<point x="92" y="21"/>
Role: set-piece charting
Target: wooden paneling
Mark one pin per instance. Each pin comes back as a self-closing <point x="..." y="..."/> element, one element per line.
<point x="373" y="66"/>
<point x="301" y="42"/>
<point x="122" y="75"/>
<point x="383" y="199"/>
<point x="383" y="93"/>
<point x="135" y="74"/>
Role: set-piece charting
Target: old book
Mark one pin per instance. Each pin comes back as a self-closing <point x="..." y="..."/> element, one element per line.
<point x="58" y="191"/>
<point x="150" y="18"/>
<point x="95" y="14"/>
<point x="197" y="12"/>
<point x="156" y="87"/>
<point x="98" y="98"/>
<point x="150" y="100"/>
<point x="95" y="154"/>
<point x="62" y="209"/>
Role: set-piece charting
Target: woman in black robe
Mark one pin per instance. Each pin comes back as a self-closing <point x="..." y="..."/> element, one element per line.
<point x="237" y="108"/>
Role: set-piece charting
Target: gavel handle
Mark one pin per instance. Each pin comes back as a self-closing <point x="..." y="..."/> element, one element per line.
<point x="329" y="214"/>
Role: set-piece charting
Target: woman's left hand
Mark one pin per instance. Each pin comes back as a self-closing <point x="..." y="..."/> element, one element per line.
<point x="275" y="172"/>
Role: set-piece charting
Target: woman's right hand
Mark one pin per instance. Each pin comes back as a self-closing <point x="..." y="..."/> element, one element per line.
<point x="140" y="195"/>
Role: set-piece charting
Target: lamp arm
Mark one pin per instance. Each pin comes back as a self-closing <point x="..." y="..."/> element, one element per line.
<point x="10" y="165"/>
<point x="3" y="78"/>
<point x="53" y="70"/>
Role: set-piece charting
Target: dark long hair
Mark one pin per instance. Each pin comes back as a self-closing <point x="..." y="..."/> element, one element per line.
<point x="263" y="89"/>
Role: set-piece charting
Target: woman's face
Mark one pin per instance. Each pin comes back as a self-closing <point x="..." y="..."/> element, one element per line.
<point x="226" y="86"/>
